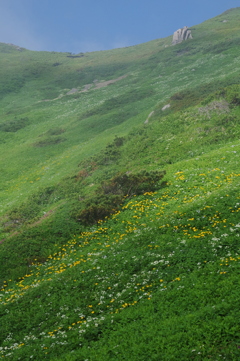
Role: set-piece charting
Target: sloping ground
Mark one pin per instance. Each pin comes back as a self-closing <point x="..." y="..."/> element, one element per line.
<point x="36" y="155"/>
<point x="157" y="279"/>
<point x="95" y="190"/>
<point x="160" y="277"/>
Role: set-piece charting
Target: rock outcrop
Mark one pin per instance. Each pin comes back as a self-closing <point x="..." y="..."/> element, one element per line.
<point x="181" y="34"/>
<point x="166" y="107"/>
<point x="149" y="116"/>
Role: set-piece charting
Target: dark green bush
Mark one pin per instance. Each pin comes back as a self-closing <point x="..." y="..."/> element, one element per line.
<point x="14" y="125"/>
<point x="113" y="192"/>
<point x="110" y="154"/>
<point x="97" y="208"/>
<point x="233" y="94"/>
<point x="133" y="184"/>
<point x="49" y="141"/>
<point x="55" y="131"/>
<point x="228" y="88"/>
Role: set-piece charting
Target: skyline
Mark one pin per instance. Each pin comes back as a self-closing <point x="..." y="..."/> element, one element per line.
<point x="83" y="26"/>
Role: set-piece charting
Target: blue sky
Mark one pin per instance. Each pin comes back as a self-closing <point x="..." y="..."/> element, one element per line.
<point x="89" y="25"/>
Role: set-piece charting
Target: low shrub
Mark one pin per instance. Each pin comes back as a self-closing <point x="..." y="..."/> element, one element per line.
<point x="233" y="94"/>
<point x="206" y="93"/>
<point x="133" y="184"/>
<point x="14" y="125"/>
<point x="49" y="141"/>
<point x="112" y="193"/>
<point x="55" y="131"/>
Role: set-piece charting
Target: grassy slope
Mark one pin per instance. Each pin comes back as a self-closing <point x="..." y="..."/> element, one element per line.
<point x="159" y="278"/>
<point x="149" y="66"/>
<point x="166" y="262"/>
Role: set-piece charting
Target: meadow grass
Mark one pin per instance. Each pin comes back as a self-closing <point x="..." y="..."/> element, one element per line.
<point x="157" y="278"/>
<point x="174" y="251"/>
<point x="155" y="68"/>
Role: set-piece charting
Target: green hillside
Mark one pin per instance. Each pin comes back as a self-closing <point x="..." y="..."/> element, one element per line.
<point x="119" y="200"/>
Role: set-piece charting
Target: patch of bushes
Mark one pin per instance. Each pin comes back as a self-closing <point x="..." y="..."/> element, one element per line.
<point x="111" y="153"/>
<point x="49" y="141"/>
<point x="82" y="174"/>
<point x="14" y="125"/>
<point x="55" y="131"/>
<point x="112" y="193"/>
<point x="89" y="166"/>
<point x="98" y="208"/>
<point x="229" y="89"/>
<point x="227" y="120"/>
<point x="131" y="184"/>
<point x="232" y="94"/>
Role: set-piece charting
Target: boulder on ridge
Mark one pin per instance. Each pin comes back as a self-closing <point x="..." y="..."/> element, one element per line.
<point x="181" y="34"/>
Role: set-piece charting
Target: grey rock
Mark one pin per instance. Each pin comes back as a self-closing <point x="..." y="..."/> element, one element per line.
<point x="86" y="87"/>
<point x="149" y="116"/>
<point x="72" y="91"/>
<point x="166" y="107"/>
<point x="181" y="34"/>
<point x="219" y="107"/>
